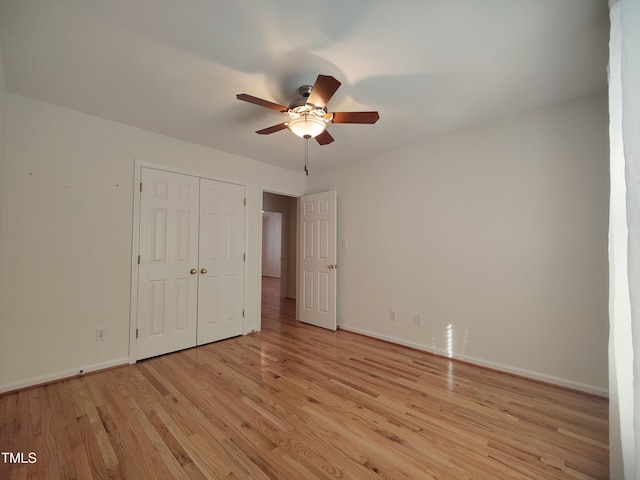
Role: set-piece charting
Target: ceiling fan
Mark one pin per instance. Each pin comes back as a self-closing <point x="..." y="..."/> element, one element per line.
<point x="308" y="115"/>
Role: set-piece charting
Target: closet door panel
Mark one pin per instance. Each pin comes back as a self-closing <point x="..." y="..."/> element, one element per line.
<point x="221" y="291"/>
<point x="167" y="290"/>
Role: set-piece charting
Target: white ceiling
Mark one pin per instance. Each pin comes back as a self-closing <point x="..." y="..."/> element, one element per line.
<point x="428" y="66"/>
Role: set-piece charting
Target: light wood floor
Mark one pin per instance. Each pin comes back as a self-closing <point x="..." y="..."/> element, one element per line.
<point x="298" y="402"/>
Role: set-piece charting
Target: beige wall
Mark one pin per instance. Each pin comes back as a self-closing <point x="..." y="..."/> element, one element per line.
<point x="496" y="235"/>
<point x="67" y="230"/>
<point x="272" y="244"/>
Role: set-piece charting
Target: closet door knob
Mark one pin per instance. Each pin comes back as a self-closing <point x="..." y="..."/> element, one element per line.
<point x="203" y="271"/>
<point x="193" y="271"/>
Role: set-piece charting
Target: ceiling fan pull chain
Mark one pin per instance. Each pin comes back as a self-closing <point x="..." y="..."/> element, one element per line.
<point x="306" y="154"/>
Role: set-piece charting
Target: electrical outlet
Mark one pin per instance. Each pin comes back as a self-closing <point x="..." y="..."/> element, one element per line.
<point x="101" y="334"/>
<point x="393" y="315"/>
<point x="417" y="319"/>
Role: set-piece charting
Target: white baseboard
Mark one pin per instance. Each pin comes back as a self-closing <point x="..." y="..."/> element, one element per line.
<point x="486" y="363"/>
<point x="31" y="382"/>
<point x="476" y="361"/>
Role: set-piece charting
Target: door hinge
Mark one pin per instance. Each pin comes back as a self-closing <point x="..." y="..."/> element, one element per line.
<point x="245" y="202"/>
<point x="138" y="259"/>
<point x="136" y="333"/>
<point x="244" y="257"/>
<point x="140" y="186"/>
<point x="243" y="313"/>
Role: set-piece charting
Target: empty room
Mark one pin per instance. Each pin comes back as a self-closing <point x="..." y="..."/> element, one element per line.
<point x="292" y="240"/>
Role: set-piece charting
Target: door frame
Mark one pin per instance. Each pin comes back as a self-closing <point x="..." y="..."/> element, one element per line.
<point x="265" y="189"/>
<point x="135" y="241"/>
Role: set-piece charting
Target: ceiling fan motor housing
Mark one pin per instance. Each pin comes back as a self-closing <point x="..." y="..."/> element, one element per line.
<point x="304" y="91"/>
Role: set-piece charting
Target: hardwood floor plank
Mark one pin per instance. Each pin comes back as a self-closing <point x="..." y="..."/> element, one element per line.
<point x="86" y="407"/>
<point x="98" y="469"/>
<point x="57" y="441"/>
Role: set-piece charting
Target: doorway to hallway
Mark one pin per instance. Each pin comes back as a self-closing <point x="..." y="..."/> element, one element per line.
<point x="279" y="255"/>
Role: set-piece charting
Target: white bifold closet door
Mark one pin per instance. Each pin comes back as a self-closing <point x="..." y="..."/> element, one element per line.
<point x="191" y="262"/>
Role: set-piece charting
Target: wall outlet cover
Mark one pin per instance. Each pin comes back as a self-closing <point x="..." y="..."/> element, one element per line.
<point x="101" y="334"/>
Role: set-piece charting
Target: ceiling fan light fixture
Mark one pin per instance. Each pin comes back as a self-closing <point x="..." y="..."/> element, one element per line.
<point x="308" y="121"/>
<point x="307" y="126"/>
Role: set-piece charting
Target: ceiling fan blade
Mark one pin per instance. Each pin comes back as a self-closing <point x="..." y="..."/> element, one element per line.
<point x="263" y="103"/>
<point x="324" y="138"/>
<point x="355" y="117"/>
<point x="323" y="90"/>
<point x="274" y="129"/>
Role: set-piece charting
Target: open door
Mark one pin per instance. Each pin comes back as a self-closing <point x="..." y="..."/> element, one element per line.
<point x="318" y="259"/>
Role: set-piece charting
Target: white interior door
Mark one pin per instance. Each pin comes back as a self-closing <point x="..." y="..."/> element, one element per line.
<point x="167" y="283"/>
<point x="318" y="259"/>
<point x="221" y="282"/>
